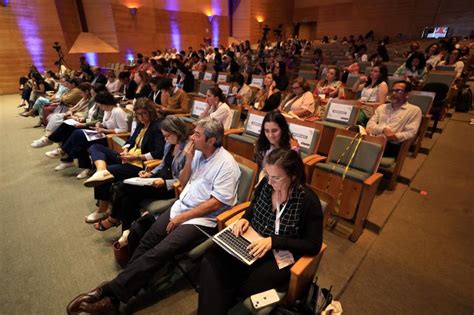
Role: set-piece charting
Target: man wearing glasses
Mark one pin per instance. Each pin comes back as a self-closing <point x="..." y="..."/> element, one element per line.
<point x="397" y="121"/>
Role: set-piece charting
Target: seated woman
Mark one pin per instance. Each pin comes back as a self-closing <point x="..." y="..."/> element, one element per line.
<point x="374" y="90"/>
<point x="39" y="87"/>
<point x="146" y="143"/>
<point x="274" y="134"/>
<point x="127" y="198"/>
<point x="432" y="56"/>
<point x="268" y="98"/>
<point x="173" y="99"/>
<point x="76" y="112"/>
<point x="330" y="87"/>
<point x="300" y="101"/>
<point x="114" y="121"/>
<point x="288" y="217"/>
<point x="143" y="88"/>
<point x="217" y="108"/>
<point x="452" y="59"/>
<point x="155" y="94"/>
<point x="113" y="84"/>
<point x="414" y="68"/>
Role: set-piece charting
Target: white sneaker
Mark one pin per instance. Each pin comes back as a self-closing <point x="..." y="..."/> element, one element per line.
<point x="53" y="153"/>
<point x="42" y="142"/>
<point x="63" y="166"/>
<point x="84" y="173"/>
<point x="99" y="178"/>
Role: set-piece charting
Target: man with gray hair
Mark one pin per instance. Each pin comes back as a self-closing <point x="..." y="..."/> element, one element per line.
<point x="210" y="178"/>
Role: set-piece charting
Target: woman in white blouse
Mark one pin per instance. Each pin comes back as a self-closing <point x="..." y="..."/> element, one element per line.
<point x="113" y="84"/>
<point x="217" y="108"/>
<point x="114" y="121"/>
<point x="452" y="59"/>
<point x="300" y="101"/>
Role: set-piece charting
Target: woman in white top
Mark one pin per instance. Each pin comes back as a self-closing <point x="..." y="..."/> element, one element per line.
<point x="374" y="90"/>
<point x="452" y="59"/>
<point x="432" y="56"/>
<point x="113" y="84"/>
<point x="114" y="121"/>
<point x="217" y="108"/>
<point x="414" y="69"/>
<point x="300" y="101"/>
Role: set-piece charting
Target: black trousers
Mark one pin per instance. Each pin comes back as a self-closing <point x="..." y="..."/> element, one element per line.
<point x="62" y="133"/>
<point x="224" y="279"/>
<point x="391" y="150"/>
<point x="127" y="198"/>
<point x="155" y="249"/>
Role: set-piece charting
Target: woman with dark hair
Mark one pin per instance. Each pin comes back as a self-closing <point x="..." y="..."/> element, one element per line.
<point x="351" y="68"/>
<point x="452" y="59"/>
<point x="414" y="69"/>
<point x="143" y="88"/>
<point x="114" y="121"/>
<point x="432" y="56"/>
<point x="217" y="107"/>
<point x="374" y="90"/>
<point x="330" y="86"/>
<point x="287" y="216"/>
<point x="275" y="133"/>
<point x="155" y="94"/>
<point x="318" y="59"/>
<point x="268" y="98"/>
<point x="362" y="53"/>
<point x="146" y="143"/>
<point x="279" y="69"/>
<point x="127" y="198"/>
<point x="300" y="100"/>
<point x="380" y="56"/>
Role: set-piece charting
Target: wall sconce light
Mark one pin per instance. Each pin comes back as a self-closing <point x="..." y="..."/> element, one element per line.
<point x="260" y="21"/>
<point x="133" y="11"/>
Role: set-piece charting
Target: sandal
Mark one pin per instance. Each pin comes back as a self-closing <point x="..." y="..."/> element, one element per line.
<point x="101" y="227"/>
<point x="95" y="217"/>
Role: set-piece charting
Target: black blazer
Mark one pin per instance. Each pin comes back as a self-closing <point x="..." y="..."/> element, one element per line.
<point x="153" y="141"/>
<point x="101" y="79"/>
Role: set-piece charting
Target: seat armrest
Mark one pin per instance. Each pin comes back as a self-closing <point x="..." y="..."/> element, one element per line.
<point x="227" y="215"/>
<point x="234" y="131"/>
<point x="302" y="274"/>
<point x="121" y="135"/>
<point x="314" y="159"/>
<point x="151" y="164"/>
<point x="373" y="179"/>
<point x="177" y="188"/>
<point x="182" y="115"/>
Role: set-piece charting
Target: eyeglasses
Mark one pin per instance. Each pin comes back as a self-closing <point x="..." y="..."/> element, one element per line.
<point x="398" y="91"/>
<point x="141" y="114"/>
<point x="274" y="179"/>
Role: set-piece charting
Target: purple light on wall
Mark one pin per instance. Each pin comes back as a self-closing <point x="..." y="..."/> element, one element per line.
<point x="175" y="34"/>
<point x="28" y="26"/>
<point x="217" y="10"/>
<point x="129" y="55"/>
<point x="172" y="5"/>
<point x="215" y="32"/>
<point x="91" y="58"/>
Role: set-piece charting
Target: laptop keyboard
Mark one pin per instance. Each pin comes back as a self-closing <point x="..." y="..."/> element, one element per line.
<point x="238" y="244"/>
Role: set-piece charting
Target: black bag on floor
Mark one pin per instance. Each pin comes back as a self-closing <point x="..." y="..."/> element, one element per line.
<point x="463" y="101"/>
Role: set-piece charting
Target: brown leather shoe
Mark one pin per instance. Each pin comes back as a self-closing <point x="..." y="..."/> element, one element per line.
<point x="90" y="297"/>
<point x="103" y="306"/>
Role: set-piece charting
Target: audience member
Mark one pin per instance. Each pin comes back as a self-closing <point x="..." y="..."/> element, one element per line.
<point x="217" y="108"/>
<point x="398" y="121"/>
<point x="300" y="100"/>
<point x="113" y="84"/>
<point x="146" y="143"/>
<point x="241" y="93"/>
<point x="294" y="230"/>
<point x="268" y="98"/>
<point x="173" y="99"/>
<point x="210" y="177"/>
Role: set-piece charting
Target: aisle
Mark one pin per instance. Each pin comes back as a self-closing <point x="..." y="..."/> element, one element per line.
<point x="422" y="261"/>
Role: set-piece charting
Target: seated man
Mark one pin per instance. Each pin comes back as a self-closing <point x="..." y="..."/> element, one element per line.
<point x="397" y="121"/>
<point x="210" y="177"/>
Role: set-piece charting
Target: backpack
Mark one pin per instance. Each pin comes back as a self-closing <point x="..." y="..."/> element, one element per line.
<point x="463" y="101"/>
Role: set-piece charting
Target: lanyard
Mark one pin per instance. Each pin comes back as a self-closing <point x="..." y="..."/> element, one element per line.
<point x="279" y="213"/>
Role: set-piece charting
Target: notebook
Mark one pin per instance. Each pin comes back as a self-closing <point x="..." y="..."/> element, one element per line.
<point x="236" y="246"/>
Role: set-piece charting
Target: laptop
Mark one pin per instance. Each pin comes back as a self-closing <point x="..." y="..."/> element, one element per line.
<point x="236" y="246"/>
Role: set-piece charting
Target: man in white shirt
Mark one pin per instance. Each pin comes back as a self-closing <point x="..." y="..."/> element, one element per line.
<point x="397" y="121"/>
<point x="210" y="178"/>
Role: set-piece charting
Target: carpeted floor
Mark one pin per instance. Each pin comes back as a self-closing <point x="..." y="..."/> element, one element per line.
<point x="420" y="263"/>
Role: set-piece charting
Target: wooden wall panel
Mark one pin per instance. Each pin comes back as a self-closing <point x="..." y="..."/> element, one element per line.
<point x="409" y="17"/>
<point x="273" y="12"/>
<point x="100" y="20"/>
<point x="240" y="19"/>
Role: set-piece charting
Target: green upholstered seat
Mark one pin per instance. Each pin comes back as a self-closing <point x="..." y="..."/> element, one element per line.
<point x="387" y="162"/>
<point x="339" y="170"/>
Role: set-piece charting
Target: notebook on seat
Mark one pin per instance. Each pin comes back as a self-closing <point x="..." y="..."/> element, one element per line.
<point x="236" y="246"/>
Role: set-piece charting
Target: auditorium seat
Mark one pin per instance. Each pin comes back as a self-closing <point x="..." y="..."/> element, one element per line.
<point x="424" y="100"/>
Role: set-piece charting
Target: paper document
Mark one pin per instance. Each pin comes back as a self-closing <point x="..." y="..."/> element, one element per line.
<point x="71" y="122"/>
<point x="93" y="135"/>
<point x="139" y="181"/>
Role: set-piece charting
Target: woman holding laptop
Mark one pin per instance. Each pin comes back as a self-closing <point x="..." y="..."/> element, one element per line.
<point x="288" y="217"/>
